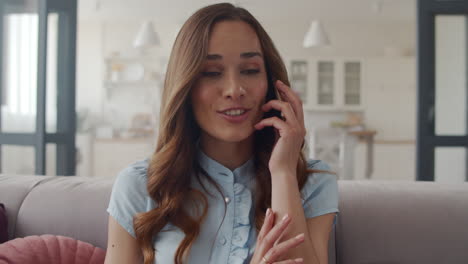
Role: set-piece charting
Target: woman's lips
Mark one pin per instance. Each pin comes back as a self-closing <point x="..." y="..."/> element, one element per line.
<point x="235" y="119"/>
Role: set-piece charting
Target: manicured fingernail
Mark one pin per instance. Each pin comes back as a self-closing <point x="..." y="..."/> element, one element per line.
<point x="300" y="236"/>
<point x="285" y="217"/>
<point x="300" y="260"/>
<point x="268" y="213"/>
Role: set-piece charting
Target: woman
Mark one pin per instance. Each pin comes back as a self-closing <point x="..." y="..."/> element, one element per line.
<point x="228" y="182"/>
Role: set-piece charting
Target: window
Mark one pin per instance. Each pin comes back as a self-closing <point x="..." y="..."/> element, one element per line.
<point x="21" y="34"/>
<point x="20" y="73"/>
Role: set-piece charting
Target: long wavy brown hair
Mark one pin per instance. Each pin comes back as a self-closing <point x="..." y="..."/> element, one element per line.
<point x="174" y="162"/>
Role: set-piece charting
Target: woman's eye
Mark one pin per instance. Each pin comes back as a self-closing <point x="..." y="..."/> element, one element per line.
<point x="217" y="74"/>
<point x="250" y="71"/>
<point x="211" y="74"/>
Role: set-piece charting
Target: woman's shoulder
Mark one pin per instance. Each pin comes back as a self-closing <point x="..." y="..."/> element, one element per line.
<point x="320" y="192"/>
<point x="133" y="178"/>
<point x="136" y="170"/>
<point x="317" y="165"/>
<point x="322" y="177"/>
<point x="321" y="170"/>
<point x="129" y="194"/>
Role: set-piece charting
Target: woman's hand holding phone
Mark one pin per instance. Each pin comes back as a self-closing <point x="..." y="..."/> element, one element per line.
<point x="267" y="249"/>
<point x="291" y="130"/>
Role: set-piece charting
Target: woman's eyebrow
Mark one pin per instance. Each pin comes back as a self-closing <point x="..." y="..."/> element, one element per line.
<point x="244" y="55"/>
<point x="251" y="54"/>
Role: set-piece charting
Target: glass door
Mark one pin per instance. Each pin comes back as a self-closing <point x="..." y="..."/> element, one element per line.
<point x="37" y="81"/>
<point x="442" y="91"/>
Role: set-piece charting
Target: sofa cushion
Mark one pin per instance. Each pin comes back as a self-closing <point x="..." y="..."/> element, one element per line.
<point x="402" y="222"/>
<point x="50" y="249"/>
<point x="13" y="190"/>
<point x="67" y="206"/>
<point x="3" y="224"/>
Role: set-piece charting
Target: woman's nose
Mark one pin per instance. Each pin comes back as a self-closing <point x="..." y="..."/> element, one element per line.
<point x="233" y="88"/>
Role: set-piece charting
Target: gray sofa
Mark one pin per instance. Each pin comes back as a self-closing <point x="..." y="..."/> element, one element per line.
<point x="379" y="222"/>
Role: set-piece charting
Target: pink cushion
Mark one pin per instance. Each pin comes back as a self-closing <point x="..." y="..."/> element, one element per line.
<point x="50" y="249"/>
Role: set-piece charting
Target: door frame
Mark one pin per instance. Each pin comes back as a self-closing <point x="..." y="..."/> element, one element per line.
<point x="427" y="140"/>
<point x="64" y="138"/>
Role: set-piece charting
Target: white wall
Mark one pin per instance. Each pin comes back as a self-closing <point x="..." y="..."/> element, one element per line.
<point x="97" y="40"/>
<point x="90" y="66"/>
<point x="347" y="38"/>
<point x="391" y="93"/>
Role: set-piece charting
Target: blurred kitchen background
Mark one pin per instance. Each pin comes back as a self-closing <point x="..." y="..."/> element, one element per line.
<point x="352" y="61"/>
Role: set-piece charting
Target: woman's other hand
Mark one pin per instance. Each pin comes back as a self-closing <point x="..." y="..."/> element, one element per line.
<point x="268" y="249"/>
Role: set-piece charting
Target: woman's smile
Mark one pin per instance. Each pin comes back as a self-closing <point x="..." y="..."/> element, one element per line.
<point x="235" y="115"/>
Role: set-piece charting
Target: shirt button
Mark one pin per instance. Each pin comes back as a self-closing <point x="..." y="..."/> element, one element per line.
<point x="227" y="199"/>
<point x="222" y="241"/>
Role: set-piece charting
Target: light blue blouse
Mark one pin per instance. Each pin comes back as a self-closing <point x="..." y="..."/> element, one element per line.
<point x="225" y="236"/>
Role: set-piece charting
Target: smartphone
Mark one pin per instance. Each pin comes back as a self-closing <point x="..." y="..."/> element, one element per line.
<point x="273" y="94"/>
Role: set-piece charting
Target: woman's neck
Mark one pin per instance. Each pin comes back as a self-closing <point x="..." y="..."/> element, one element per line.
<point x="230" y="154"/>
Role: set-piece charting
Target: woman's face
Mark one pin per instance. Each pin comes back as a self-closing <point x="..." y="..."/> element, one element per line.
<point x="232" y="86"/>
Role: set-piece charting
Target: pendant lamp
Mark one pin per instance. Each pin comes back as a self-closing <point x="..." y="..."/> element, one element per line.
<point x="316" y="36"/>
<point x="146" y="37"/>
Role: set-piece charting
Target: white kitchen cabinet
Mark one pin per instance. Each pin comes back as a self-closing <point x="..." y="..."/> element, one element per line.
<point x="330" y="84"/>
<point x="336" y="84"/>
<point x="387" y="100"/>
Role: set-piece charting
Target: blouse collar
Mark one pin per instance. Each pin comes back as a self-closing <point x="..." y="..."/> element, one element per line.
<point x="218" y="171"/>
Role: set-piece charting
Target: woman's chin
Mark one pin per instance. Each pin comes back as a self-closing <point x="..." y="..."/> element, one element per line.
<point x="235" y="136"/>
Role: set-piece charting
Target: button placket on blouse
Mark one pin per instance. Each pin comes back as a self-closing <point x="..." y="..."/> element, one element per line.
<point x="227" y="182"/>
<point x="222" y="240"/>
<point x="230" y="177"/>
<point x="231" y="239"/>
<point x="241" y="226"/>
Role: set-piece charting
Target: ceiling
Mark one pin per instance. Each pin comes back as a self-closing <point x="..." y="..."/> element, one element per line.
<point x="176" y="11"/>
